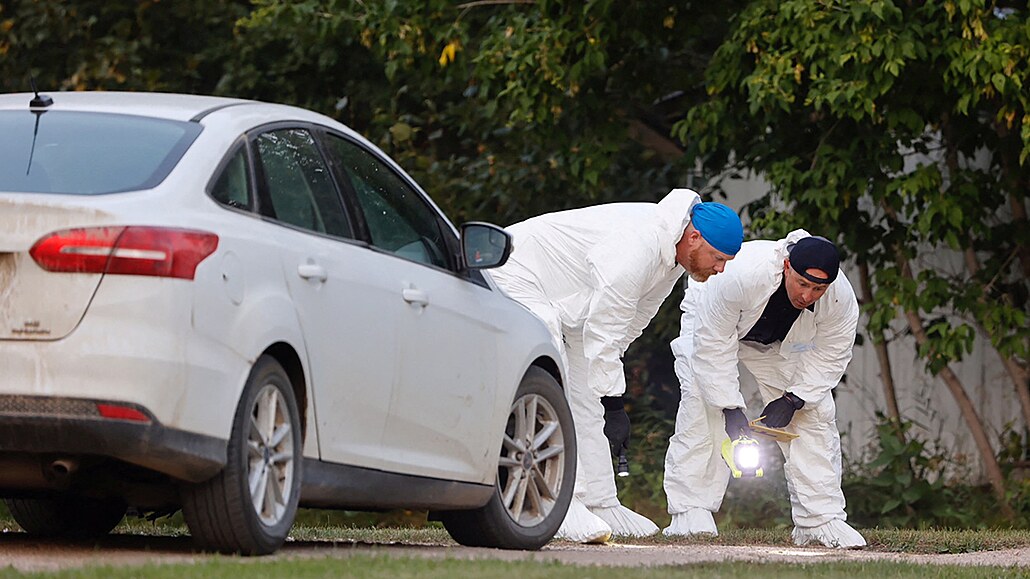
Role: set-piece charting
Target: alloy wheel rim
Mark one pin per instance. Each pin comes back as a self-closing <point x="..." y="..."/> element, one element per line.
<point x="532" y="464"/>
<point x="270" y="455"/>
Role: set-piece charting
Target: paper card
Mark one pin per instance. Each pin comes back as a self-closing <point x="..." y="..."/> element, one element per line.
<point x="774" y="433"/>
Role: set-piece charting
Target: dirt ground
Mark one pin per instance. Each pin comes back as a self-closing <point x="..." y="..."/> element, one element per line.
<point x="24" y="553"/>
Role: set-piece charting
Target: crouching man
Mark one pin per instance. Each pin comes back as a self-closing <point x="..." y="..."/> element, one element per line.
<point x="784" y="310"/>
<point x="596" y="276"/>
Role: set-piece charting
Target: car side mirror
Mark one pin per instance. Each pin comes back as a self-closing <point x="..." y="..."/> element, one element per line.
<point x="484" y="245"/>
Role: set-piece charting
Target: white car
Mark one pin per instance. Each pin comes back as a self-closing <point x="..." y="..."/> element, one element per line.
<point x="237" y="308"/>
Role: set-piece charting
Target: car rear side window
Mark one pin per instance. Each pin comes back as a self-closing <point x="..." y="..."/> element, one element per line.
<point x="300" y="189"/>
<point x="233" y="185"/>
<point x="83" y="153"/>
<point x="398" y="219"/>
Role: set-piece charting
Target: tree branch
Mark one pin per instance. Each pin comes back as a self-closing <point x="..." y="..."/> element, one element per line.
<point x="666" y="148"/>
<point x="880" y="344"/>
<point x="492" y="3"/>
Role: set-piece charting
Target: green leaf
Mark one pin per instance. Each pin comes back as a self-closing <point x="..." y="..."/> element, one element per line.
<point x="952" y="240"/>
<point x="912" y="494"/>
<point x="904" y="478"/>
<point x="882" y="460"/>
<point x="401" y="132"/>
<point x="890" y="504"/>
<point x="998" y="80"/>
<point x="955" y="216"/>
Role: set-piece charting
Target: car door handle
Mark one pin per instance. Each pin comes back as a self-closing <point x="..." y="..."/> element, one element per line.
<point x="415" y="297"/>
<point x="312" y="271"/>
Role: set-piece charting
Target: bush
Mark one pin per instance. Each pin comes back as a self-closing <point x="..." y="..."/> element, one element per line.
<point x="906" y="485"/>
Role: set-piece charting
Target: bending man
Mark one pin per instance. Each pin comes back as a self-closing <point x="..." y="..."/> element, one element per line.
<point x="596" y="276"/>
<point x="783" y="309"/>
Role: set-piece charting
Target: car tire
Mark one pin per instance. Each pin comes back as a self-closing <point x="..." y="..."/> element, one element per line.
<point x="68" y="516"/>
<point x="535" y="474"/>
<point x="249" y="507"/>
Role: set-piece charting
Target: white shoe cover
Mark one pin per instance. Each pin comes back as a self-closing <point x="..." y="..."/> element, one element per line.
<point x="625" y="522"/>
<point x="582" y="526"/>
<point x="836" y="534"/>
<point x="693" y="521"/>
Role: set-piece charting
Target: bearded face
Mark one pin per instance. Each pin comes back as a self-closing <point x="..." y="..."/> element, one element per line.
<point x="700" y="259"/>
<point x="700" y="266"/>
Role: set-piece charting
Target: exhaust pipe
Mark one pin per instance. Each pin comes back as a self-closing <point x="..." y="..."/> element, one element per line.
<point x="63" y="467"/>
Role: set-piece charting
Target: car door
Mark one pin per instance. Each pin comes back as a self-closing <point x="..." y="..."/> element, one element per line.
<point x="347" y="305"/>
<point x="441" y="406"/>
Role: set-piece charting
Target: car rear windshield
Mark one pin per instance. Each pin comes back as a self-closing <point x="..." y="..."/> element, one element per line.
<point x="88" y="153"/>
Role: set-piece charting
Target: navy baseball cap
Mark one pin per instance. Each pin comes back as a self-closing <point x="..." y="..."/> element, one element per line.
<point x="815" y="253"/>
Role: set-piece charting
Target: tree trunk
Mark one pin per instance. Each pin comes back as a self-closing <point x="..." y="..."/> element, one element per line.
<point x="969" y="414"/>
<point x="1020" y="374"/>
<point x="976" y="427"/>
<point x="883" y="356"/>
<point x="1016" y="373"/>
<point x="1018" y="207"/>
<point x="1019" y="217"/>
<point x="958" y="391"/>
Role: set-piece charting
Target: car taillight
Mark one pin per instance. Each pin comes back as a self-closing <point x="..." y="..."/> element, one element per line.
<point x="133" y="250"/>
<point x="121" y="412"/>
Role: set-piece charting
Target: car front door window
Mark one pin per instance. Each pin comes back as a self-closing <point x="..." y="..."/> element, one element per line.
<point x="398" y="219"/>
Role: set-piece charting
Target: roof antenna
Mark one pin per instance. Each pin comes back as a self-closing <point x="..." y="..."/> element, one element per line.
<point x="40" y="100"/>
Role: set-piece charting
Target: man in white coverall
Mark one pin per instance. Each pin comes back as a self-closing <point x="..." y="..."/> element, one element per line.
<point x="596" y="276"/>
<point x="783" y="309"/>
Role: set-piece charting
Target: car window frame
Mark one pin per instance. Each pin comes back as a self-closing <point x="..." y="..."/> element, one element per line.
<point x="262" y="196"/>
<point x="242" y="143"/>
<point x="259" y="195"/>
<point x="452" y="239"/>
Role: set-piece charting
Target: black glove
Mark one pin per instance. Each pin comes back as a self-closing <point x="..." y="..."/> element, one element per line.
<point x="780" y="412"/>
<point x="616" y="424"/>
<point x="736" y="423"/>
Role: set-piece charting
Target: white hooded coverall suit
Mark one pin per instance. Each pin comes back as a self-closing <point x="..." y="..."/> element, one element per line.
<point x="809" y="362"/>
<point x="596" y="276"/>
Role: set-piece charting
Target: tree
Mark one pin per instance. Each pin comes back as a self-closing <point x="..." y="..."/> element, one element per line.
<point x="899" y="128"/>
<point x="502" y="110"/>
<point x="93" y="44"/>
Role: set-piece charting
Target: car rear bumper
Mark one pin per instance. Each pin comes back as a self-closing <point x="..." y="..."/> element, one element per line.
<point x="136" y="344"/>
<point x="63" y="427"/>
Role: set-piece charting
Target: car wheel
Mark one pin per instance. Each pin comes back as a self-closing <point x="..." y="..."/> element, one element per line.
<point x="535" y="473"/>
<point x="249" y="507"/>
<point x="69" y="516"/>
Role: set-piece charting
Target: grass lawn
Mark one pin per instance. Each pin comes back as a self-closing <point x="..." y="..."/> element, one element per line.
<point x="416" y="568"/>
<point x="923" y="541"/>
<point x="930" y="541"/>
